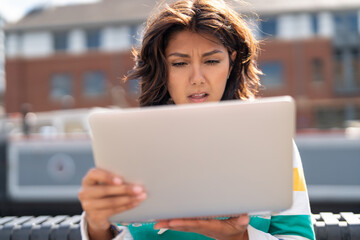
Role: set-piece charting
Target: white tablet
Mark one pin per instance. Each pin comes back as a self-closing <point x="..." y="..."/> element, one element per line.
<point x="200" y="160"/>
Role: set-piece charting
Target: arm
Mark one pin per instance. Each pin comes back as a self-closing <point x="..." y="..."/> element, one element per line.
<point x="102" y="195"/>
<point x="122" y="232"/>
<point x="234" y="228"/>
<point x="294" y="223"/>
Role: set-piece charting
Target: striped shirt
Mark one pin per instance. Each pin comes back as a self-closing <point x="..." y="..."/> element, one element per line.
<point x="294" y="223"/>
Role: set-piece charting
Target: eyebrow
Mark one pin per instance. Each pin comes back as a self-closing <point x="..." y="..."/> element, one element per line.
<point x="177" y="54"/>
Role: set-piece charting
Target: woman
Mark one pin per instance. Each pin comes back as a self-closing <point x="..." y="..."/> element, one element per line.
<point x="193" y="51"/>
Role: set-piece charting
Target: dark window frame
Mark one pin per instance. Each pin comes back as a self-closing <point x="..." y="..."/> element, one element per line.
<point x="59" y="90"/>
<point x="61" y="41"/>
<point x="91" y="78"/>
<point x="270" y="69"/>
<point x="317" y="71"/>
<point x="93" y="38"/>
<point x="269" y="27"/>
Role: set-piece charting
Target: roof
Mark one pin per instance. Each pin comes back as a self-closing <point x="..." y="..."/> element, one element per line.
<point x="98" y="13"/>
<point x="136" y="11"/>
<point x="283" y="6"/>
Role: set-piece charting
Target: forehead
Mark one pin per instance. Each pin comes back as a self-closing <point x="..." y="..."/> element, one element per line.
<point x="186" y="41"/>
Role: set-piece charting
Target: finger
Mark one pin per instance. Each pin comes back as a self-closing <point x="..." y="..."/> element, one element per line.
<point x="242" y="220"/>
<point x="101" y="191"/>
<point x="161" y="224"/>
<point x="210" y="227"/>
<point x="112" y="202"/>
<point x="97" y="175"/>
<point x="239" y="223"/>
<point x="99" y="218"/>
<point x="191" y="224"/>
<point x="218" y="229"/>
<point x="180" y="223"/>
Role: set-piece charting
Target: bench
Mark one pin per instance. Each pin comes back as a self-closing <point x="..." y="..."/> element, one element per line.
<point x="327" y="225"/>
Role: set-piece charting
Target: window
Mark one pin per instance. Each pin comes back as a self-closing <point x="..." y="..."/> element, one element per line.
<point x="268" y="27"/>
<point x="60" y="41"/>
<point x="93" y="39"/>
<point x="135" y="32"/>
<point x="346" y="22"/>
<point x="347" y="70"/>
<point x="356" y="67"/>
<point x="339" y="69"/>
<point x="315" y="24"/>
<point x="273" y="74"/>
<point x="330" y="117"/>
<point x="317" y="71"/>
<point x="61" y="86"/>
<point x="94" y="84"/>
<point x="133" y="87"/>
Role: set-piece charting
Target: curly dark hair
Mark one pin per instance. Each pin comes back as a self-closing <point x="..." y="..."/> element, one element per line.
<point x="213" y="17"/>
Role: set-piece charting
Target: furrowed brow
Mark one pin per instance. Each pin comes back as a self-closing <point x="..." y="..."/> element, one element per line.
<point x="176" y="54"/>
<point x="183" y="55"/>
<point x="212" y="52"/>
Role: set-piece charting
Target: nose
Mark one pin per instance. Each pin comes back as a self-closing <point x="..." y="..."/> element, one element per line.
<point x="197" y="76"/>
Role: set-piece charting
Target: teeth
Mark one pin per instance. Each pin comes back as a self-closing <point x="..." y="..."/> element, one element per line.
<point x="199" y="95"/>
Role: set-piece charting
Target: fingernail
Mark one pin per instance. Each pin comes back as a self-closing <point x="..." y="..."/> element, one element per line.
<point x="141" y="196"/>
<point x="117" y="180"/>
<point x="137" y="189"/>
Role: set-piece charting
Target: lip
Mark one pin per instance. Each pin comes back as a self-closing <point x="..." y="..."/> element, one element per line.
<point x="198" y="97"/>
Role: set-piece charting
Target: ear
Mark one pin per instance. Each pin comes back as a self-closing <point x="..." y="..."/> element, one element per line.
<point x="232" y="58"/>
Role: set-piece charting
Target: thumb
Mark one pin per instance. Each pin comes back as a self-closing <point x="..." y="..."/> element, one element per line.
<point x="242" y="221"/>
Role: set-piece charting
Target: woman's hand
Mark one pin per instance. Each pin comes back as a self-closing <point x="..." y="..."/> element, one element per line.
<point x="229" y="229"/>
<point x="103" y="194"/>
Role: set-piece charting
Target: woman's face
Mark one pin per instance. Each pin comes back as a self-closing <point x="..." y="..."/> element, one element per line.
<point x="198" y="68"/>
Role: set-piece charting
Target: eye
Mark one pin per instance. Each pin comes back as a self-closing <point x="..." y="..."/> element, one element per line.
<point x="212" y="62"/>
<point x="178" y="64"/>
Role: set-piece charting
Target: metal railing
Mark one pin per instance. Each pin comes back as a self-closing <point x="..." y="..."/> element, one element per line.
<point x="327" y="225"/>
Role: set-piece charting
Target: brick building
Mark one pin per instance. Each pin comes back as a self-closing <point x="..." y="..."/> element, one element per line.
<point x="74" y="56"/>
<point x="2" y="59"/>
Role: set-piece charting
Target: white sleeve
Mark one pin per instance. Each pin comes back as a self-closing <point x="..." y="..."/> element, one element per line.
<point x="123" y="235"/>
<point x="300" y="207"/>
<point x="255" y="234"/>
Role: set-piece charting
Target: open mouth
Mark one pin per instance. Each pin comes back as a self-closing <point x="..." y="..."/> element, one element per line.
<point x="198" y="97"/>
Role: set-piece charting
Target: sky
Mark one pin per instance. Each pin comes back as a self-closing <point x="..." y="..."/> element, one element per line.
<point x="13" y="10"/>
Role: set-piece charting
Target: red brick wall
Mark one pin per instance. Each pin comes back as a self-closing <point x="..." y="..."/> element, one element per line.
<point x="28" y="81"/>
<point x="296" y="58"/>
<point x="15" y="93"/>
<point x="281" y="51"/>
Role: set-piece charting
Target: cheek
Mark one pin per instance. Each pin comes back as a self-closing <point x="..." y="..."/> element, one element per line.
<point x="219" y="76"/>
<point x="171" y="81"/>
<point x="174" y="84"/>
<point x="178" y="76"/>
<point x="219" y="80"/>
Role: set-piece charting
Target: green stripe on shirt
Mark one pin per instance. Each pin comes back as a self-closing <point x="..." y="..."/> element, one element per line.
<point x="146" y="231"/>
<point x="299" y="225"/>
<point x="260" y="223"/>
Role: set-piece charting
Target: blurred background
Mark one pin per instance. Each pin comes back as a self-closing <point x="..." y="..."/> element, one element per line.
<point x="60" y="60"/>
